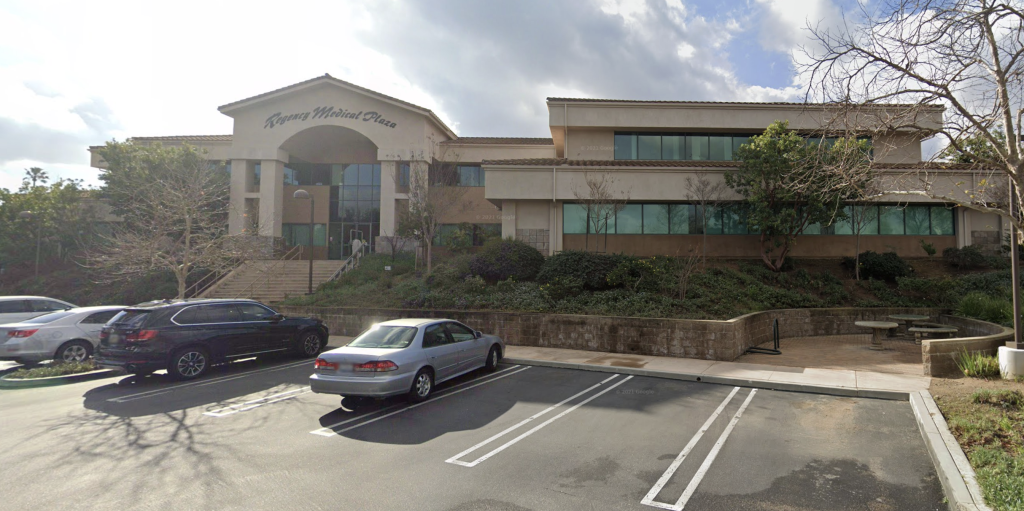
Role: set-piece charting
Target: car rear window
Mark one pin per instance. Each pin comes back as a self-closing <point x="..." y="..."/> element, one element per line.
<point x="130" y="318"/>
<point x="47" y="318"/>
<point x="388" y="337"/>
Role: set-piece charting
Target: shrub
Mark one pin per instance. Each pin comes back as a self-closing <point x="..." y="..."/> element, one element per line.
<point x="967" y="258"/>
<point x="642" y="275"/>
<point x="505" y="259"/>
<point x="928" y="248"/>
<point x="977" y="365"/>
<point x="589" y="268"/>
<point x="888" y="266"/>
<point x="986" y="308"/>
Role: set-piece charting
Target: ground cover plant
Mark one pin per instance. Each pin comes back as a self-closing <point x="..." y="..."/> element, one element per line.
<point x="54" y="369"/>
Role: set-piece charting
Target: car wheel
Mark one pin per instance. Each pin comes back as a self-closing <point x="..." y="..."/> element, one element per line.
<point x="310" y="344"/>
<point x="422" y="386"/>
<point x="492" y="358"/>
<point x="73" y="351"/>
<point x="188" y="364"/>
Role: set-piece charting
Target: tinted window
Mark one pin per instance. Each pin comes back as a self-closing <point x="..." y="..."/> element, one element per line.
<point x="99" y="318"/>
<point x="253" y="312"/>
<point x="460" y="333"/>
<point x="14" y="306"/>
<point x="130" y="318"/>
<point x="47" y="306"/>
<point x="221" y="313"/>
<point x="47" y="318"/>
<point x="385" y="337"/>
<point x="434" y="336"/>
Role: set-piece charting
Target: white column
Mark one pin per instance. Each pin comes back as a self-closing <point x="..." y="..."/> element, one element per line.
<point x="508" y="219"/>
<point x="271" y="197"/>
<point x="388" y="180"/>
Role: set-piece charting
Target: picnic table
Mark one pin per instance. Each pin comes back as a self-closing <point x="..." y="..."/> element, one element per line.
<point x="907" y="319"/>
<point x="931" y="328"/>
<point x="877" y="327"/>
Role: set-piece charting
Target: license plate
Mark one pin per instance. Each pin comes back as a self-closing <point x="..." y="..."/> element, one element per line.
<point x="115" y="339"/>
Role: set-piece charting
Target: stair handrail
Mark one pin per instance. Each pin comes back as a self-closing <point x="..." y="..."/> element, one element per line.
<point x="351" y="262"/>
<point x="290" y="255"/>
<point x="206" y="282"/>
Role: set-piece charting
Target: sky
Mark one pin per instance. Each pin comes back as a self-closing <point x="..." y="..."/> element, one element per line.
<point x="75" y="74"/>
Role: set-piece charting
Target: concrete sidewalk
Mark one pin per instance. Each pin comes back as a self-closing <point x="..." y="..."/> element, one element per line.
<point x="827" y="381"/>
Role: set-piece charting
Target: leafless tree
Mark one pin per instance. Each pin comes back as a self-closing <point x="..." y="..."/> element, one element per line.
<point x="601" y="201"/>
<point x="435" y="196"/>
<point x="176" y="221"/>
<point x="686" y="266"/>
<point x="907" y="60"/>
<point x="394" y="242"/>
<point x="707" y="195"/>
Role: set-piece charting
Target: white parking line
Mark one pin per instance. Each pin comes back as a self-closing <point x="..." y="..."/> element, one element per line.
<point x="255" y="403"/>
<point x="329" y="431"/>
<point x="512" y="442"/>
<point x="454" y="459"/>
<point x="703" y="469"/>
<point x="164" y="390"/>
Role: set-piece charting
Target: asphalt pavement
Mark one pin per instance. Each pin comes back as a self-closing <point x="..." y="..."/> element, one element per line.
<point x="251" y="436"/>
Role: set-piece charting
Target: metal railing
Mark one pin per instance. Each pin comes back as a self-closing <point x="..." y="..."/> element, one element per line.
<point x="353" y="260"/>
<point x="210" y="279"/>
<point x="268" y="271"/>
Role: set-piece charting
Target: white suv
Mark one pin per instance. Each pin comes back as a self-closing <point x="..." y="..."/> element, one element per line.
<point x="19" y="308"/>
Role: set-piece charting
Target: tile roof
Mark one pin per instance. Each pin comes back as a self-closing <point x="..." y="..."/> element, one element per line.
<point x="697" y="164"/>
<point x="501" y="140"/>
<point x="187" y="138"/>
<point x="671" y="102"/>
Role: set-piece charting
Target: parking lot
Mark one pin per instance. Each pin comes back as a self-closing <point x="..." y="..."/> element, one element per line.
<point x="251" y="436"/>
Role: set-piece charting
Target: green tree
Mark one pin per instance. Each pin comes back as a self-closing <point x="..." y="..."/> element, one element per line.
<point x="58" y="214"/>
<point x="34" y="176"/>
<point x="974" y="149"/>
<point x="789" y="183"/>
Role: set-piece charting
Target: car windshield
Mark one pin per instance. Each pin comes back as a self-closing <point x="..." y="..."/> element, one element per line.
<point x="47" y="318"/>
<point x="129" y="318"/>
<point x="385" y="337"/>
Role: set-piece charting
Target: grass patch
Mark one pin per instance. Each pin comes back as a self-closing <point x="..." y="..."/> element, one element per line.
<point x="989" y="425"/>
<point x="55" y="369"/>
<point x="977" y="365"/>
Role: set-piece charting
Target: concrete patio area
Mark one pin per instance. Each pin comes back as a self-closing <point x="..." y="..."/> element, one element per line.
<point x="845" y="352"/>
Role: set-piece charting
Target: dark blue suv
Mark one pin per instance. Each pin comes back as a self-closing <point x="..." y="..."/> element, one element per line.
<point x="186" y="337"/>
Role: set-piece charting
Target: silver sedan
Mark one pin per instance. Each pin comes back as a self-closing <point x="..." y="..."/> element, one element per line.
<point x="64" y="336"/>
<point x="404" y="356"/>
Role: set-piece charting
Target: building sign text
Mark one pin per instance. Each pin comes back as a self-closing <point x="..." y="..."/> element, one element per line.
<point x="327" y="112"/>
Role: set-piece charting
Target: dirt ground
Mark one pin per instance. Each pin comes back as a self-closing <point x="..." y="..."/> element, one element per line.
<point x="964" y="387"/>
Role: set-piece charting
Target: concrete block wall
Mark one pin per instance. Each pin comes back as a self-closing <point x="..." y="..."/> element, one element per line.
<point x="975" y="336"/>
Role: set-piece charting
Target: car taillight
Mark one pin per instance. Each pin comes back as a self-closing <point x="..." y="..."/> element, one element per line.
<point x="382" y="365"/>
<point x="323" y="364"/>
<point x="104" y="335"/>
<point x="141" y="335"/>
<point x="20" y="334"/>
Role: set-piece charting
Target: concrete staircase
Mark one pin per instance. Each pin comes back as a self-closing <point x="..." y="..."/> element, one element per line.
<point x="272" y="280"/>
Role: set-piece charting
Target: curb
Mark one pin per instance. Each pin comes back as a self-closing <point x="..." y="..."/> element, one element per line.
<point x="892" y="395"/>
<point x="959" y="483"/>
<point x="6" y="383"/>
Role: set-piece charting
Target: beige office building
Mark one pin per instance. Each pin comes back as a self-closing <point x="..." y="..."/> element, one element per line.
<point x="354" y="149"/>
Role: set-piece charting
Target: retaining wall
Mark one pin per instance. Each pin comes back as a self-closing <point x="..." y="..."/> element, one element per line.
<point x="976" y="336"/>
<point x="702" y="339"/>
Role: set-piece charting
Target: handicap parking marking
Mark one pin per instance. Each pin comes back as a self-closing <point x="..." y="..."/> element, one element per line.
<point x="201" y="383"/>
<point x="330" y="431"/>
<point x="256" y="403"/>
<point x="455" y="459"/>
<point x="648" y="500"/>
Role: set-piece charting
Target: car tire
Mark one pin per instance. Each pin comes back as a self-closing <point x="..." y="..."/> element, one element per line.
<point x="310" y="344"/>
<point x="422" y="386"/>
<point x="188" y="363"/>
<point x="73" y="351"/>
<point x="493" y="357"/>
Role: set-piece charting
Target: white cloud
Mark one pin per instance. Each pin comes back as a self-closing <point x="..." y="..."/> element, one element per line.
<point x="783" y="28"/>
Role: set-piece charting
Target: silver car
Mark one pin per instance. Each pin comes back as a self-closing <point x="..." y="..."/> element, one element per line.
<point x="404" y="356"/>
<point x="65" y="336"/>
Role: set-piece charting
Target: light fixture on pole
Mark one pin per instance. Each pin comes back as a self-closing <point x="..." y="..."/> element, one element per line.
<point x="303" y="194"/>
<point x="28" y="215"/>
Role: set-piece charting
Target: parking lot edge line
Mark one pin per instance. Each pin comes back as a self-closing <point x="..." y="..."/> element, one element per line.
<point x="524" y="422"/>
<point x="703" y="469"/>
<point x="323" y="431"/>
<point x="141" y="395"/>
<point x="671" y="470"/>
<point x="536" y="428"/>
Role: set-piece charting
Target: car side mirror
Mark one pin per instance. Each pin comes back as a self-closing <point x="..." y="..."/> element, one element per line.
<point x="277" y="318"/>
<point x="477" y="334"/>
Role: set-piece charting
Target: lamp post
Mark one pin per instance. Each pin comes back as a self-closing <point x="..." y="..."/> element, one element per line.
<point x="303" y="194"/>
<point x="28" y="215"/>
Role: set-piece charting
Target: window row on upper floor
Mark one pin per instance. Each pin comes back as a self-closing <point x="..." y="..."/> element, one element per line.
<point x="688" y="146"/>
<point x="682" y="218"/>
